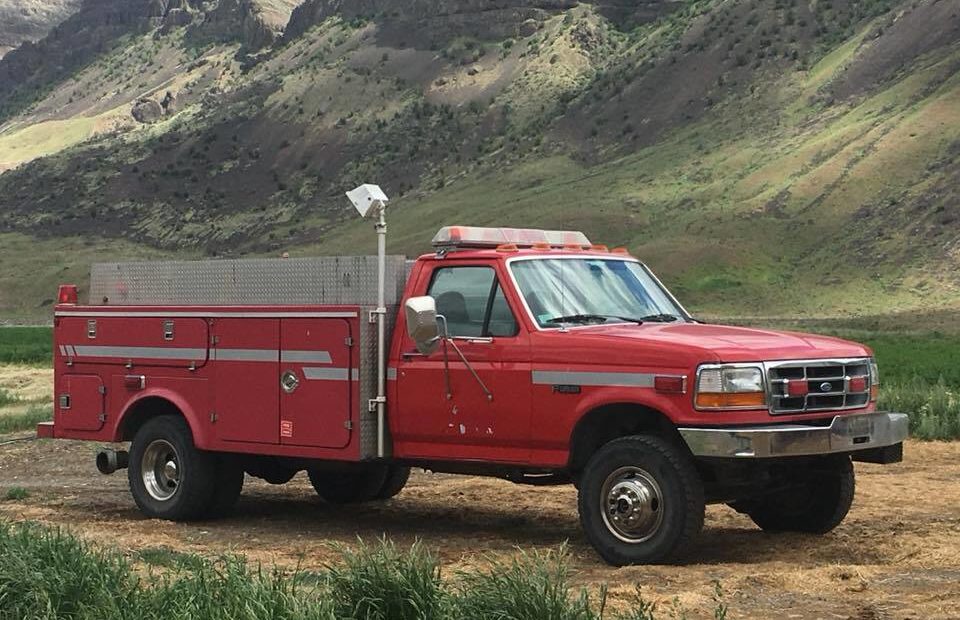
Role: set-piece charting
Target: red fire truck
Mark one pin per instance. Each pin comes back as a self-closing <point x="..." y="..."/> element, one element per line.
<point x="529" y="355"/>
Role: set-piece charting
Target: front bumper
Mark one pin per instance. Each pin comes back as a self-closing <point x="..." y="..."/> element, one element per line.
<point x="847" y="433"/>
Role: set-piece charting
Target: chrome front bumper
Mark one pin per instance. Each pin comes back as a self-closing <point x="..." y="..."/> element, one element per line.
<point x="847" y="433"/>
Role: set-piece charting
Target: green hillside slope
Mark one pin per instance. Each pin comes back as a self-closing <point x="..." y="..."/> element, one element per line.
<point x="766" y="158"/>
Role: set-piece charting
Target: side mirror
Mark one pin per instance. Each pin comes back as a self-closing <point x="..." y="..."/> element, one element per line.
<point x="422" y="324"/>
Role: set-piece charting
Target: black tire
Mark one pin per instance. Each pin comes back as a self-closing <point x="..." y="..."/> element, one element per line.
<point x="651" y="469"/>
<point x="360" y="484"/>
<point x="186" y="491"/>
<point x="396" y="479"/>
<point x="815" y="499"/>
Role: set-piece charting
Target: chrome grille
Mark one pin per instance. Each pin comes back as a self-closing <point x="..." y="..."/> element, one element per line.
<point x="818" y="385"/>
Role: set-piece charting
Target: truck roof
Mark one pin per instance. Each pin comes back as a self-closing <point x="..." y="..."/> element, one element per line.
<point x="506" y="254"/>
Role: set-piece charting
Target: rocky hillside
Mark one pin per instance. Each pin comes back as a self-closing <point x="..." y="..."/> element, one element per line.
<point x="30" y="20"/>
<point x="767" y="157"/>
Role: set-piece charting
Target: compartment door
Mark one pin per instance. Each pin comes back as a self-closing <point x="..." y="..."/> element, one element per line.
<point x="79" y="404"/>
<point x="316" y="380"/>
<point x="246" y="389"/>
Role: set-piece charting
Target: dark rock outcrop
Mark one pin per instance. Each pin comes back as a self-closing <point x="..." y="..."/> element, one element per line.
<point x="146" y="111"/>
<point x="438" y="20"/>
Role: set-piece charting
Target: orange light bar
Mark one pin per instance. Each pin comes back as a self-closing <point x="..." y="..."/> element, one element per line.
<point x="450" y="237"/>
<point x="623" y="251"/>
<point x="728" y="400"/>
<point x="599" y="248"/>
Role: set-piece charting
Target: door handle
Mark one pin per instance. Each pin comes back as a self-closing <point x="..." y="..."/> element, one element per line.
<point x="289" y="381"/>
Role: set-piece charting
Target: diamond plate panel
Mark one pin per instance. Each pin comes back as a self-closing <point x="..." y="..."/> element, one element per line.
<point x="367" y="352"/>
<point x="333" y="280"/>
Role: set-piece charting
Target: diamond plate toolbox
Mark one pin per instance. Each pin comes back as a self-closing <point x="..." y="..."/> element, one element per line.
<point x="332" y="280"/>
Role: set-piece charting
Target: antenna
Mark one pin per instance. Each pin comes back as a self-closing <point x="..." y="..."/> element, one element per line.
<point x="370" y="199"/>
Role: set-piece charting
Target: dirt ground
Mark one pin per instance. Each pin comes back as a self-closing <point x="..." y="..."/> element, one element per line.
<point x="896" y="556"/>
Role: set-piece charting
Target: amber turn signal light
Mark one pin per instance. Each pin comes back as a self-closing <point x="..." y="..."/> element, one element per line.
<point x="724" y="400"/>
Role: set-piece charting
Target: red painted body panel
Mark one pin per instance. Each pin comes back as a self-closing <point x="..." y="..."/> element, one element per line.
<point x="228" y="383"/>
<point x="246" y="393"/>
<point x="317" y="411"/>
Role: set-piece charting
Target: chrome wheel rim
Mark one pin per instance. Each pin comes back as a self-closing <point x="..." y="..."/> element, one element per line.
<point x="631" y="504"/>
<point x="160" y="469"/>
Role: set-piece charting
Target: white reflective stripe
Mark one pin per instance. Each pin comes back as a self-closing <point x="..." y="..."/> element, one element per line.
<point x="71" y="350"/>
<point x="245" y="355"/>
<point x="160" y="353"/>
<point x="330" y="374"/>
<point x="619" y="379"/>
<point x="314" y="357"/>
<point x="200" y="314"/>
<point x="63" y="351"/>
<point x="391" y="374"/>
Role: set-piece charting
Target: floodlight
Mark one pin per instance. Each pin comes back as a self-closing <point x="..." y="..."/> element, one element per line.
<point x="367" y="196"/>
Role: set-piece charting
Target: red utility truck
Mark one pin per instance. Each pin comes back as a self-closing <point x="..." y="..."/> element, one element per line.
<point x="523" y="354"/>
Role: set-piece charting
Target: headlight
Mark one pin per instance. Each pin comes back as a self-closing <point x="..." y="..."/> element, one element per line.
<point x="874" y="380"/>
<point x="730" y="387"/>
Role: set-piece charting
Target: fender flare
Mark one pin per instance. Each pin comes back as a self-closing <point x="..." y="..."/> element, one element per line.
<point x="172" y="398"/>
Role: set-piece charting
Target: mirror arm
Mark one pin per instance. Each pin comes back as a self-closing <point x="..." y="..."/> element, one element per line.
<point x="473" y="372"/>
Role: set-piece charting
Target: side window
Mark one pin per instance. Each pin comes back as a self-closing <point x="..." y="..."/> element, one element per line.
<point x="472" y="301"/>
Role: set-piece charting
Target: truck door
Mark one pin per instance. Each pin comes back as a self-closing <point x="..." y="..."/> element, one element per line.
<point x="316" y="380"/>
<point x="467" y="424"/>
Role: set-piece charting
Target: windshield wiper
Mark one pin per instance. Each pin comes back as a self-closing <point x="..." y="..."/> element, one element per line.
<point x="589" y="318"/>
<point x="659" y="318"/>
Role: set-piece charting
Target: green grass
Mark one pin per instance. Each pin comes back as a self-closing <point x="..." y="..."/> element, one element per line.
<point x="918" y="376"/>
<point x="26" y="345"/>
<point x="25" y="421"/>
<point x="16" y="494"/>
<point x="6" y="398"/>
<point x="47" y="574"/>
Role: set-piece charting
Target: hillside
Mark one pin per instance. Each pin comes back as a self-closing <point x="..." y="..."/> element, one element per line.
<point x="30" y="20"/>
<point x="766" y="157"/>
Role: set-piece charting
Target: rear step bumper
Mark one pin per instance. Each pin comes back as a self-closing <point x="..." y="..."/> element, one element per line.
<point x="45" y="430"/>
<point x="847" y="433"/>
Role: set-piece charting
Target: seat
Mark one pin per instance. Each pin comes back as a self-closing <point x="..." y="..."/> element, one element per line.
<point x="453" y="307"/>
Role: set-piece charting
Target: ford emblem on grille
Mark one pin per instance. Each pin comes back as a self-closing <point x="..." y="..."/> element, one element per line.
<point x="826" y="386"/>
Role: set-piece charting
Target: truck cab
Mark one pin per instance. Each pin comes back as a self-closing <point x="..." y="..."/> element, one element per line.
<point x="530" y="355"/>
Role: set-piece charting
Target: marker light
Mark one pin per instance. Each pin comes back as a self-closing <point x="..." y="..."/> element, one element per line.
<point x="67" y="294"/>
<point x="730" y="387"/>
<point x="451" y="237"/>
<point x="874" y="381"/>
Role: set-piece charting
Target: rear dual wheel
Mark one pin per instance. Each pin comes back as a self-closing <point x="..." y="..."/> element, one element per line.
<point x="171" y="479"/>
<point x="361" y="484"/>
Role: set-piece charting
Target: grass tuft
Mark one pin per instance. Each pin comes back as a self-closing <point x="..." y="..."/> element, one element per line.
<point x="27" y="420"/>
<point x="16" y="494"/>
<point x="47" y="574"/>
<point x="381" y="582"/>
<point x="527" y="587"/>
<point x="6" y="398"/>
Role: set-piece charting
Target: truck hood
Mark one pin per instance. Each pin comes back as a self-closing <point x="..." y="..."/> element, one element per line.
<point x="722" y="343"/>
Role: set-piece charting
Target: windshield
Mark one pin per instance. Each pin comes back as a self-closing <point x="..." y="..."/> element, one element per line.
<point x="591" y="291"/>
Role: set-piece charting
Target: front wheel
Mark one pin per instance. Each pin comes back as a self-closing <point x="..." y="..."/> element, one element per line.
<point x="641" y="501"/>
<point x="813" y="499"/>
